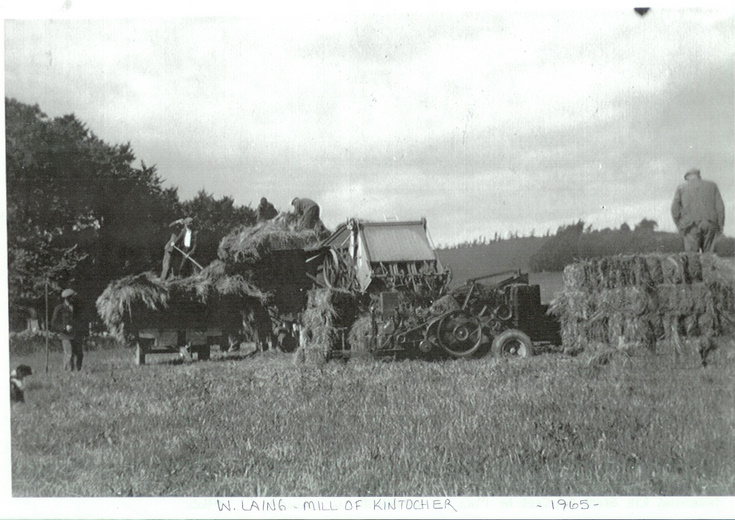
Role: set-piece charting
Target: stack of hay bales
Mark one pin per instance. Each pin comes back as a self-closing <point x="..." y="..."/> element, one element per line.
<point x="327" y="320"/>
<point x="662" y="303"/>
<point x="210" y="297"/>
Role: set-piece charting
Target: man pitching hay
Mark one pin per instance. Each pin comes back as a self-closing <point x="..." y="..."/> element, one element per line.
<point x="184" y="244"/>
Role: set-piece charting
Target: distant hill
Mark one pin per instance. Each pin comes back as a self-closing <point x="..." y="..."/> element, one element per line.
<point x="551" y="254"/>
<point x="472" y="261"/>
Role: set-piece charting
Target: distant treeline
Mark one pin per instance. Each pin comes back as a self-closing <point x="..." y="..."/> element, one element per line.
<point x="553" y="252"/>
<point x="575" y="241"/>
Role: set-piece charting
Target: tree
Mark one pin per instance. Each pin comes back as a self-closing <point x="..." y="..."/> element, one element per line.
<point x="78" y="211"/>
<point x="646" y="225"/>
<point x="560" y="250"/>
<point x="214" y="218"/>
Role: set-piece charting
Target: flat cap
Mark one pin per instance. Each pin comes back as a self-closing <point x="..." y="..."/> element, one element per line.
<point x="66" y="293"/>
<point x="693" y="171"/>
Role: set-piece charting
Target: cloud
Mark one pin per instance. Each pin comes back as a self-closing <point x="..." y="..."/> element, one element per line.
<point x="501" y="120"/>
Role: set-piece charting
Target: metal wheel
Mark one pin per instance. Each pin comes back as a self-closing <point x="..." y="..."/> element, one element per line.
<point x="459" y="334"/>
<point x="512" y="343"/>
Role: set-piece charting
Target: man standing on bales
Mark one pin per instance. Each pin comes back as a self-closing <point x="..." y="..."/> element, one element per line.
<point x="184" y="243"/>
<point x="66" y="323"/>
<point x="308" y="212"/>
<point x="266" y="210"/>
<point x="698" y="212"/>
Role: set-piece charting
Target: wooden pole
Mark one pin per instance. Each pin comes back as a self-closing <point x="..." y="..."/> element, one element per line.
<point x="47" y="327"/>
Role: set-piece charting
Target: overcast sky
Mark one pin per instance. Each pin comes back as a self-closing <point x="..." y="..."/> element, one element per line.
<point x="482" y="122"/>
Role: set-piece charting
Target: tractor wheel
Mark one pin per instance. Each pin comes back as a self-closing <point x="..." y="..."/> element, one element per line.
<point x="512" y="342"/>
<point x="459" y="334"/>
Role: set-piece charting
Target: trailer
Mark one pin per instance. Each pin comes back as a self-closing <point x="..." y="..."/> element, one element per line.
<point x="189" y="329"/>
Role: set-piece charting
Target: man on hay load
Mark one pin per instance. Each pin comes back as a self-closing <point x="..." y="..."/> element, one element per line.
<point x="266" y="210"/>
<point x="184" y="243"/>
<point x="698" y="212"/>
<point x="308" y="212"/>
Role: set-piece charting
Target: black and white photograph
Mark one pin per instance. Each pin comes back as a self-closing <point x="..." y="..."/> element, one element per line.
<point x="377" y="261"/>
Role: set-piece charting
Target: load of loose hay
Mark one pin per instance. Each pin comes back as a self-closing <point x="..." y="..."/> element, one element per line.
<point x="247" y="246"/>
<point x="662" y="303"/>
<point x="327" y="320"/>
<point x="210" y="297"/>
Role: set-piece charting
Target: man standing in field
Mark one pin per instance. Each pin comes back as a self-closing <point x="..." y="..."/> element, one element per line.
<point x="308" y="212"/>
<point x="698" y="212"/>
<point x="66" y="323"/>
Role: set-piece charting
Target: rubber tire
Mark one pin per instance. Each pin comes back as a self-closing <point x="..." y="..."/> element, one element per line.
<point x="501" y="344"/>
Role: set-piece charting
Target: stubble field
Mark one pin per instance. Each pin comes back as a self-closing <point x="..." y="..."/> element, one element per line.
<point x="242" y="425"/>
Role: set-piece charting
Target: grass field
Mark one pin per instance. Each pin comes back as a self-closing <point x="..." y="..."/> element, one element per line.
<point x="259" y="425"/>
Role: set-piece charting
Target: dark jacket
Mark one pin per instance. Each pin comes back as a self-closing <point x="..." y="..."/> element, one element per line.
<point x="304" y="205"/>
<point x="266" y="211"/>
<point x="696" y="201"/>
<point x="64" y="322"/>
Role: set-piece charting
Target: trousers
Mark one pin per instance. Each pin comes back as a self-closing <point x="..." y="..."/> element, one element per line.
<point x="700" y="237"/>
<point x="73" y="353"/>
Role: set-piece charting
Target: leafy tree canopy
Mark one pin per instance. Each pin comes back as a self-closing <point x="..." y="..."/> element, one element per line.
<point x="80" y="213"/>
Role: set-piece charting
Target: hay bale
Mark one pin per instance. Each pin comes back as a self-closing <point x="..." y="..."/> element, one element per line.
<point x="656" y="326"/>
<point x="603" y="274"/>
<point x="362" y="335"/>
<point x="690" y="325"/>
<point x="672" y="268"/>
<point x="574" y="276"/>
<point x="328" y="317"/>
<point x="299" y="356"/>
<point x="315" y="355"/>
<point x="640" y="301"/>
<point x="641" y="275"/>
<point x="653" y="264"/>
<point x="693" y="272"/>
